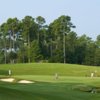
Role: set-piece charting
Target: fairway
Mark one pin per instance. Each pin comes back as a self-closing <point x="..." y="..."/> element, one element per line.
<point x="73" y="83"/>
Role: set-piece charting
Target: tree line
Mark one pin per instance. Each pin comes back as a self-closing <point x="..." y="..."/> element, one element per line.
<point x="31" y="40"/>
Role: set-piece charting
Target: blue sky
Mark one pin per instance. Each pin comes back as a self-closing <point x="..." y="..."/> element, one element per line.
<point x="85" y="14"/>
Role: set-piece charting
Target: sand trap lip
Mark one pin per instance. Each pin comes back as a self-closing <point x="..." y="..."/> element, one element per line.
<point x="7" y="79"/>
<point x="25" y="81"/>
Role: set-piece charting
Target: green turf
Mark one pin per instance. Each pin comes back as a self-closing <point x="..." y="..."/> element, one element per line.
<point x="62" y="79"/>
<point x="72" y="79"/>
<point x="50" y="69"/>
<point x="44" y="91"/>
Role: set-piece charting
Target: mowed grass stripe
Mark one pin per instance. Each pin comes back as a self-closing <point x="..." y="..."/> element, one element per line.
<point x="62" y="79"/>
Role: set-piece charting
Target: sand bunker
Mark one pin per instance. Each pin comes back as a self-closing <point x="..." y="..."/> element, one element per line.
<point x="12" y="80"/>
<point x="7" y="80"/>
<point x="25" y="81"/>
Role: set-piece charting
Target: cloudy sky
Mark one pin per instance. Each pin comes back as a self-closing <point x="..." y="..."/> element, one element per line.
<point x="85" y="14"/>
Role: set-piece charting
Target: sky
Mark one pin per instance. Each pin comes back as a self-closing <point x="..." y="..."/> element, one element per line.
<point x="85" y="14"/>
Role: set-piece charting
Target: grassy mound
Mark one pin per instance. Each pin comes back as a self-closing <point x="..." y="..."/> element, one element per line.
<point x="85" y="88"/>
<point x="50" y="69"/>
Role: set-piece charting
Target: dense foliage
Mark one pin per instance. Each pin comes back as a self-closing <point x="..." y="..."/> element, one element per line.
<point x="31" y="40"/>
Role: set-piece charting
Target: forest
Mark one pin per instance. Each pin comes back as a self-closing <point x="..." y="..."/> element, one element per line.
<point x="31" y="40"/>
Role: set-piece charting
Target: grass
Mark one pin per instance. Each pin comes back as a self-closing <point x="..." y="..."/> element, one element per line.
<point x="61" y="79"/>
<point x="44" y="91"/>
<point x="50" y="69"/>
<point x="73" y="83"/>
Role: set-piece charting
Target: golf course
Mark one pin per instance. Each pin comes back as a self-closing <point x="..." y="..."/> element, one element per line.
<point x="73" y="82"/>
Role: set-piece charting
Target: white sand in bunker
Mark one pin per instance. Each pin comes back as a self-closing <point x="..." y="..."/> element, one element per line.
<point x="12" y="80"/>
<point x="25" y="81"/>
<point x="7" y="79"/>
